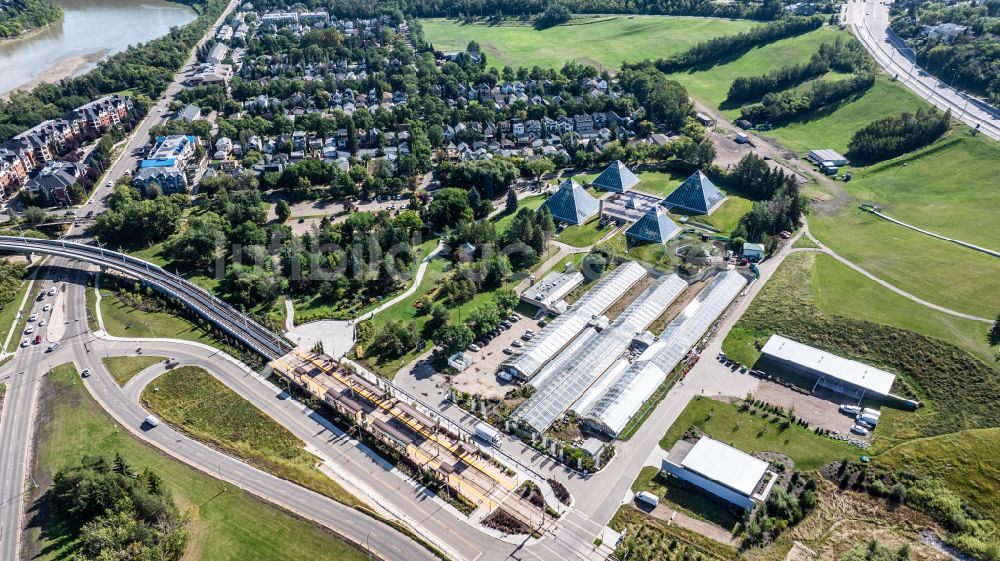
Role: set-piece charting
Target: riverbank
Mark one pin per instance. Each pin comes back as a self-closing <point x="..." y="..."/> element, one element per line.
<point x="65" y="68"/>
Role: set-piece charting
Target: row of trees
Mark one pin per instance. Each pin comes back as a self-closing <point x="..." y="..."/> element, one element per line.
<point x="790" y="104"/>
<point x="121" y="513"/>
<point x="891" y="136"/>
<point x="727" y="47"/>
<point x="25" y="15"/>
<point x="495" y="9"/>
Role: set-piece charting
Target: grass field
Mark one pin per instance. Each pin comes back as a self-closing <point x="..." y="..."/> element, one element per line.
<point x="601" y="41"/>
<point x="950" y="381"/>
<point x="650" y="539"/>
<point x="583" y="235"/>
<point x="122" y="320"/>
<point x="9" y="313"/>
<point x="192" y="400"/>
<point x="751" y="433"/>
<point x="693" y="502"/>
<point x="226" y="524"/>
<point x="124" y="368"/>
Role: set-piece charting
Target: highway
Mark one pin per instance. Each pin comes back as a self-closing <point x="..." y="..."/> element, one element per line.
<point x="869" y="20"/>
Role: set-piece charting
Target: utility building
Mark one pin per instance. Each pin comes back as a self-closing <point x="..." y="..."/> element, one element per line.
<point x="722" y="470"/>
<point x="845" y="376"/>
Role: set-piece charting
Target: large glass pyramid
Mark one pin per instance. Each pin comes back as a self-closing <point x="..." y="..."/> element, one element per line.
<point x="654" y="226"/>
<point x="697" y="194"/>
<point x="616" y="178"/>
<point x="571" y="203"/>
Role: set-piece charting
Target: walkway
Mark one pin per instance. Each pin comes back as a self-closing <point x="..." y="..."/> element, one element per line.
<point x="874" y="210"/>
<point x="824" y="249"/>
<point x="337" y="336"/>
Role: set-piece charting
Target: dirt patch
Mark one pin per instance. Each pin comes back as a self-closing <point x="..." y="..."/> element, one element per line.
<point x="675" y="307"/>
<point x="560" y="490"/>
<point x="819" y="412"/>
<point x="506" y="522"/>
<point x="619" y="306"/>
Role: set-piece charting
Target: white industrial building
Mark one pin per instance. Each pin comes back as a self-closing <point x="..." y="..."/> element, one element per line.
<point x="560" y="388"/>
<point x="556" y="335"/>
<point x="722" y="470"/>
<point x="830" y="371"/>
<point x="549" y="292"/>
<point x="612" y="402"/>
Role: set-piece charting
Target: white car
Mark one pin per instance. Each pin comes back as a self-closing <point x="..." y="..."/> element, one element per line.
<point x="46" y="307"/>
<point x="33" y="317"/>
<point x="41" y="323"/>
<point x="85" y="373"/>
<point x="53" y="346"/>
<point x="29" y="330"/>
<point x="152" y="421"/>
<point x="52" y="291"/>
<point x="24" y="343"/>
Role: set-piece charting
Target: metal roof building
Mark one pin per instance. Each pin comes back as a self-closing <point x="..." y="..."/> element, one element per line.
<point x="721" y="470"/>
<point x="616" y="178"/>
<point x="831" y="371"/>
<point x="610" y="405"/>
<point x="551" y="289"/>
<point x="559" y="390"/>
<point x="556" y="335"/>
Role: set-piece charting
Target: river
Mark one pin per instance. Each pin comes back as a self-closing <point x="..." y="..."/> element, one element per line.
<point x="90" y="31"/>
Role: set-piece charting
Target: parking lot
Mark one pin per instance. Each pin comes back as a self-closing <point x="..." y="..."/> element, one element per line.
<point x="480" y="378"/>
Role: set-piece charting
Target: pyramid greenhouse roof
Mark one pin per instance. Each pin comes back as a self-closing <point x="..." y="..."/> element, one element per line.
<point x="654" y="226"/>
<point x="571" y="203"/>
<point x="617" y="178"/>
<point x="697" y="194"/>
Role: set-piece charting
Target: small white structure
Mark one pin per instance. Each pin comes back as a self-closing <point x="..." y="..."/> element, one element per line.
<point x="827" y="160"/>
<point x="460" y="361"/>
<point x="722" y="470"/>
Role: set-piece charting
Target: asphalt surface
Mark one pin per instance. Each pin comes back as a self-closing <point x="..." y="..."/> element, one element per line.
<point x="869" y="20"/>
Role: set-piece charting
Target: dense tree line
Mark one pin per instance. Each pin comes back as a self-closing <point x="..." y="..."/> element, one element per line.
<point x="132" y="221"/>
<point x="145" y="69"/>
<point x="746" y="88"/>
<point x="789" y="104"/>
<point x="552" y="16"/>
<point x="11" y="276"/>
<point x="728" y="47"/>
<point x="753" y="178"/>
<point x="891" y="136"/>
<point x="491" y="177"/>
<point x="768" y="10"/>
<point x="20" y="16"/>
<point x="779" y="201"/>
<point x="118" y="512"/>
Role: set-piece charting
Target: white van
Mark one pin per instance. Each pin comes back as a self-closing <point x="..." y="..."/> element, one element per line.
<point x="648" y="498"/>
<point x="152" y="421"/>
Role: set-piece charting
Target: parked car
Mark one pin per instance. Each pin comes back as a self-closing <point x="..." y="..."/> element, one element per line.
<point x="508" y="351"/>
<point x="516" y="343"/>
<point x="38" y="339"/>
<point x="52" y="291"/>
<point x="514" y="316"/>
<point x="52" y="347"/>
<point x="33" y="317"/>
<point x="41" y="323"/>
<point x="24" y="343"/>
<point x="542" y="323"/>
<point x="473" y="347"/>
<point x="29" y="330"/>
<point x="505" y="324"/>
<point x="858" y="429"/>
<point x="46" y="307"/>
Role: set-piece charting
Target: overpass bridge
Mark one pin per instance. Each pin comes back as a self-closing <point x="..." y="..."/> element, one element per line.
<point x="236" y="324"/>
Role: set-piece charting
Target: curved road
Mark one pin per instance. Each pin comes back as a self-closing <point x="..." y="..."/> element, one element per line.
<point x="869" y="20"/>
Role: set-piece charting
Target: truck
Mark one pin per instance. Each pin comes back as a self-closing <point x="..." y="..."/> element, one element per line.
<point x="648" y="498"/>
<point x="487" y="434"/>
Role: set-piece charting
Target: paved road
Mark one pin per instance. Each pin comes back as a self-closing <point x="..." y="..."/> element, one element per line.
<point x="869" y="20"/>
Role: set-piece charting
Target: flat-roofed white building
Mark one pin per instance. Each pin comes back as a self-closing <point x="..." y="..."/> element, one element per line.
<point x="720" y="469"/>
<point x="548" y="293"/>
<point x="849" y="377"/>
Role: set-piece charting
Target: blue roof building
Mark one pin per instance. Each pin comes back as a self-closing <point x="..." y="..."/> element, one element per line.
<point x="697" y="194"/>
<point x="654" y="226"/>
<point x="571" y="203"/>
<point x="616" y="178"/>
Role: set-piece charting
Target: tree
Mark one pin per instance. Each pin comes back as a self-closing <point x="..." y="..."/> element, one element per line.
<point x="283" y="210"/>
<point x="995" y="332"/>
<point x="511" y="202"/>
<point x="199" y="244"/>
<point x="438" y="316"/>
<point x="34" y="215"/>
<point x="395" y="339"/>
<point x="505" y="298"/>
<point x="453" y="338"/>
<point x="540" y="167"/>
<point x="484" y="319"/>
<point x="449" y="207"/>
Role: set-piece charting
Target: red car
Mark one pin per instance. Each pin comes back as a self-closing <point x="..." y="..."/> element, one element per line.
<point x="38" y="339"/>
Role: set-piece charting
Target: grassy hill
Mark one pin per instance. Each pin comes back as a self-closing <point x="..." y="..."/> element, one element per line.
<point x="602" y="41"/>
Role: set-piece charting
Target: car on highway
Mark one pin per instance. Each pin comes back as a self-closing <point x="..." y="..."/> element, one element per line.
<point x="151" y="421"/>
<point x="85" y="373"/>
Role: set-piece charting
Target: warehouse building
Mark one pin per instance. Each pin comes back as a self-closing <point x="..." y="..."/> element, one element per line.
<point x="845" y="376"/>
<point x="724" y="471"/>
<point x="557" y="334"/>
<point x="611" y="403"/>
<point x="556" y="392"/>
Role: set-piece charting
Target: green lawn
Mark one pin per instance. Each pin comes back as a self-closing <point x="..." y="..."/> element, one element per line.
<point x="601" y="41"/>
<point x="966" y="461"/>
<point x="583" y="235"/>
<point x="124" y="368"/>
<point x="192" y="400"/>
<point x="9" y="313"/>
<point x="684" y="498"/>
<point x="122" y="320"/>
<point x="226" y="524"/>
<point x="751" y="433"/>
<point x="650" y="539"/>
<point x="934" y="270"/>
<point x="727" y="216"/>
<point x="503" y="220"/>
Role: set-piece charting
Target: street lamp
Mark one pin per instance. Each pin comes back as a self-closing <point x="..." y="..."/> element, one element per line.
<point x="368" y="546"/>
